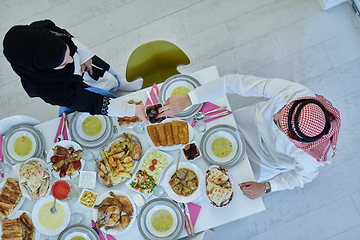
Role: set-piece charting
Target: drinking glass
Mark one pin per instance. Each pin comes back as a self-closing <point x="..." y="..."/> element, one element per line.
<point x="5" y="168"/>
<point x="138" y="127"/>
<point x="159" y="191"/>
<point x="200" y="126"/>
<point x="87" y="155"/>
<point x="77" y="217"/>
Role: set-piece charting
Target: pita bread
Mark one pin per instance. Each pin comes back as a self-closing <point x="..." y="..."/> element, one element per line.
<point x="217" y="177"/>
<point x="215" y="193"/>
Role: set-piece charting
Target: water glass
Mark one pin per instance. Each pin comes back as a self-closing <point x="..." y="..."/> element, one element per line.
<point x="87" y="155"/>
<point x="138" y="127"/>
<point x="200" y="126"/>
<point x="159" y="191"/>
<point x="77" y="218"/>
<point x="5" y="168"/>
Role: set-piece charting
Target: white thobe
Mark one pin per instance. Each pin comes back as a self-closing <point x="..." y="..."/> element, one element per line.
<point x="272" y="155"/>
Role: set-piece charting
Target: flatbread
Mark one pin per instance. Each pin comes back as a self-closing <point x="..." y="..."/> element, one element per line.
<point x="217" y="177"/>
<point x="216" y="193"/>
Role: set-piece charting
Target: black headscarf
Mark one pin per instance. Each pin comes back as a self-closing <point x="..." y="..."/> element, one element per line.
<point x="34" y="51"/>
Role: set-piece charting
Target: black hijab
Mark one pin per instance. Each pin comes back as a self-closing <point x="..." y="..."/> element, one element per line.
<point x="35" y="50"/>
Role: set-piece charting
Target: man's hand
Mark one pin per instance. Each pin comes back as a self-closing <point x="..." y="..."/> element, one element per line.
<point x="252" y="190"/>
<point x="86" y="66"/>
<point x="140" y="112"/>
<point x="174" y="105"/>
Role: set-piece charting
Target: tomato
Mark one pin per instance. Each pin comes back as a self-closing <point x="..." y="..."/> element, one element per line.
<point x="77" y="165"/>
<point x="152" y="168"/>
<point x="154" y="161"/>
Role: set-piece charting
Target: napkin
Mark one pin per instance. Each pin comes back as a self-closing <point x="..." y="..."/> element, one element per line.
<point x="101" y="235"/>
<point x="1" y="154"/>
<point x="109" y="237"/>
<point x="59" y="129"/>
<point x="208" y="106"/>
<point x="152" y="95"/>
<point x="194" y="213"/>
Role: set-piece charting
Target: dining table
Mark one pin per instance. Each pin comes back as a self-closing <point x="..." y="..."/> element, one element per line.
<point x="209" y="215"/>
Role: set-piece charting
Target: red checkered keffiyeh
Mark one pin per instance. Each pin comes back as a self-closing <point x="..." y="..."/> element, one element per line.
<point x="311" y="123"/>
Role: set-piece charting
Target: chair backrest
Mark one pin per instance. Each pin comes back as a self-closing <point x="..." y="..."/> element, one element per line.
<point x="155" y="62"/>
<point x="9" y="122"/>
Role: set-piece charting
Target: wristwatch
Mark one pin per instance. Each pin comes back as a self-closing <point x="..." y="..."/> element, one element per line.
<point x="267" y="187"/>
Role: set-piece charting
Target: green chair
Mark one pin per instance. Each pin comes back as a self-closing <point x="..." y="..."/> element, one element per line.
<point x="155" y="62"/>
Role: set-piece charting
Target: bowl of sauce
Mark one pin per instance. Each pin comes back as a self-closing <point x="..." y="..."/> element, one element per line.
<point x="161" y="221"/>
<point x="90" y="127"/>
<point x="22" y="145"/>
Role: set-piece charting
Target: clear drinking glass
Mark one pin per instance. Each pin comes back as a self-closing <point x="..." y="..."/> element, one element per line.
<point x="138" y="127"/>
<point x="5" y="168"/>
<point x="200" y="126"/>
<point x="159" y="191"/>
<point x="87" y="155"/>
<point x="77" y="217"/>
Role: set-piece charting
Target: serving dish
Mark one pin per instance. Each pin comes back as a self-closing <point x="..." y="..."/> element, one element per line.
<point x="169" y="147"/>
<point x="204" y="185"/>
<point x="184" y="155"/>
<point x="35" y="219"/>
<point x="169" y="159"/>
<point x="66" y="144"/>
<point x="171" y="172"/>
<point x="78" y="230"/>
<point x="17" y="215"/>
<point x="32" y="133"/>
<point x="135" y="162"/>
<point x="144" y="225"/>
<point x="44" y="166"/>
<point x="127" y="99"/>
<point x="81" y="195"/>
<point x="134" y="214"/>
<point x="180" y="80"/>
<point x="18" y="205"/>
<point x="230" y="133"/>
<point x="81" y="121"/>
<point x="100" y="141"/>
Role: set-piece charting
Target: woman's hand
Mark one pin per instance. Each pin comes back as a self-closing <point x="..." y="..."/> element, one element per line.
<point x="86" y="66"/>
<point x="174" y="105"/>
<point x="140" y="112"/>
<point x="252" y="190"/>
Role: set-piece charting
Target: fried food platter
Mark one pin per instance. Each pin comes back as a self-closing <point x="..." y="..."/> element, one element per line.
<point x="16" y="215"/>
<point x="170" y="191"/>
<point x="65" y="144"/>
<point x="128" y="122"/>
<point x="173" y="146"/>
<point x="117" y="170"/>
<point x="17" y="206"/>
<point x="109" y="200"/>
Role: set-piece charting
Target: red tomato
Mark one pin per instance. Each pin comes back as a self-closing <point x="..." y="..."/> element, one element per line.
<point x="154" y="161"/>
<point x="152" y="168"/>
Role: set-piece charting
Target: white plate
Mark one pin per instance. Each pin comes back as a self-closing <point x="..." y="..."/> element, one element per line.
<point x="155" y="232"/>
<point x="75" y="234"/>
<point x="18" y="214"/>
<point x="66" y="144"/>
<point x="45" y="167"/>
<point x="228" y="136"/>
<point x="133" y="217"/>
<point x="20" y="203"/>
<point x="169" y="160"/>
<point x="177" y="197"/>
<point x="11" y="142"/>
<point x="80" y="122"/>
<point x="170" y="147"/>
<point x="39" y="227"/>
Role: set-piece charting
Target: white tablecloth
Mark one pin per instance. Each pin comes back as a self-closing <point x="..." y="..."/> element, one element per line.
<point x="209" y="216"/>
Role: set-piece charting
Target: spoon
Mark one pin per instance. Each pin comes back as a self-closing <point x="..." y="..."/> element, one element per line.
<point x="201" y="115"/>
<point x="53" y="209"/>
<point x="61" y="136"/>
<point x="178" y="161"/>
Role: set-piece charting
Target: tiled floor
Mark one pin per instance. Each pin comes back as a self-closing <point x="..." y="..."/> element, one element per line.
<point x="290" y="39"/>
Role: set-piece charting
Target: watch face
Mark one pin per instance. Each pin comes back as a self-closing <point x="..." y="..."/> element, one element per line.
<point x="267" y="187"/>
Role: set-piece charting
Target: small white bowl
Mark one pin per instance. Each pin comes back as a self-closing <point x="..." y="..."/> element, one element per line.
<point x="87" y="179"/>
<point x="183" y="153"/>
<point x="82" y="193"/>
